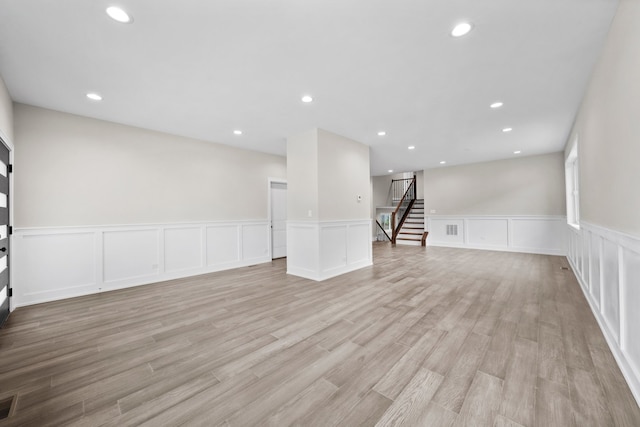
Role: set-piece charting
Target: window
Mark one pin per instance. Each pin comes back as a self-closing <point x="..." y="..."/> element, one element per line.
<point x="572" y="179"/>
<point x="385" y="221"/>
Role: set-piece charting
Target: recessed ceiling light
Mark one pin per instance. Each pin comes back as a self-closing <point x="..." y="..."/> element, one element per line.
<point x="237" y="132"/>
<point x="382" y="133"/>
<point x="461" y="29"/>
<point x="307" y="99"/>
<point x="497" y="104"/>
<point x="390" y="170"/>
<point x="507" y="129"/>
<point x="94" y="96"/>
<point x="119" y="15"/>
<point x="517" y="152"/>
<point x="411" y="147"/>
<point x="443" y="162"/>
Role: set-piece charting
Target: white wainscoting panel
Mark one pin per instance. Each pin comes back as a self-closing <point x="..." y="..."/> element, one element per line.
<point x="611" y="273"/>
<point x="357" y="251"/>
<point x="54" y="265"/>
<point x="130" y="254"/>
<point x="607" y="265"/>
<point x="255" y="242"/>
<point x="594" y="272"/>
<point x="488" y="232"/>
<point x="540" y="235"/>
<point x="57" y="263"/>
<point x="182" y="249"/>
<point x="223" y="245"/>
<point x="321" y="250"/>
<point x="531" y="234"/>
<point x="630" y="306"/>
<point x="440" y="231"/>
<point x="333" y="247"/>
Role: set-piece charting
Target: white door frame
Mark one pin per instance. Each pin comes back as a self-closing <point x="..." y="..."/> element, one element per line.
<point x="269" y="181"/>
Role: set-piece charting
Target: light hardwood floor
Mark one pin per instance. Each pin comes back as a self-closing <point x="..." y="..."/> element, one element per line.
<point x="425" y="337"/>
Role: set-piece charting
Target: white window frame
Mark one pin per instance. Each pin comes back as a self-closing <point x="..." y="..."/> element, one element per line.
<point x="572" y="180"/>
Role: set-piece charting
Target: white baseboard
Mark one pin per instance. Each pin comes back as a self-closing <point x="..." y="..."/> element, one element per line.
<point x="321" y="250"/>
<point x="56" y="263"/>
<point x="607" y="265"/>
<point x="528" y="234"/>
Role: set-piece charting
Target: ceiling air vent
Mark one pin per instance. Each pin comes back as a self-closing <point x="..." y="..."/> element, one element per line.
<point x="452" y="230"/>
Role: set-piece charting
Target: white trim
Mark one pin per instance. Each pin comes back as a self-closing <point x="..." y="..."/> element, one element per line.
<point x="63" y="262"/>
<point x="505" y="235"/>
<point x="626" y="244"/>
<point x="271" y="180"/>
<point x="319" y="250"/>
<point x="7" y="140"/>
<point x="67" y="228"/>
<point x="572" y="184"/>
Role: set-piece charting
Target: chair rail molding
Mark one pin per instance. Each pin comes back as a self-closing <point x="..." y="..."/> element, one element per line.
<point x="530" y="234"/>
<point x="64" y="262"/>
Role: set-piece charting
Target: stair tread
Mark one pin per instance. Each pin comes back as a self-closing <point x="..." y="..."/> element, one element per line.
<point x="407" y="238"/>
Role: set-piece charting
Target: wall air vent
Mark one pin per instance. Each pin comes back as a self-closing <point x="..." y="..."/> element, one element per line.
<point x="452" y="230"/>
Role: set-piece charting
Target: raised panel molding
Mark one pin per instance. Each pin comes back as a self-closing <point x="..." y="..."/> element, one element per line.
<point x="182" y="248"/>
<point x="255" y="242"/>
<point x="333" y="247"/>
<point x="67" y="259"/>
<point x="303" y="246"/>
<point x="321" y="250"/>
<point x="223" y="244"/>
<point x="130" y="254"/>
<point x="530" y="234"/>
<point x="607" y="265"/>
<point x="488" y="232"/>
<point x="57" y="263"/>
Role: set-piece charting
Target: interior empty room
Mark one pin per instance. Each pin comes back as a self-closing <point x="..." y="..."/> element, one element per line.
<point x="352" y="213"/>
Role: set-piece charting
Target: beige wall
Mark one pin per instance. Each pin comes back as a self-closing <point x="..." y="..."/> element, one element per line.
<point x="608" y="130"/>
<point x="420" y="184"/>
<point x="73" y="171"/>
<point x="380" y="195"/>
<point x="520" y="186"/>
<point x="343" y="174"/>
<point x="302" y="176"/>
<point x="6" y="113"/>
<point x="325" y="174"/>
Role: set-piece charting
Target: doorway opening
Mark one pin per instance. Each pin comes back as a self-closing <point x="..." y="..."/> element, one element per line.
<point x="278" y="218"/>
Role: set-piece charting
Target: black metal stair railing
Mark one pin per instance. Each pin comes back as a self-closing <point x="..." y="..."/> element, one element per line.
<point x="398" y="188"/>
<point x="402" y="210"/>
<point x="383" y="230"/>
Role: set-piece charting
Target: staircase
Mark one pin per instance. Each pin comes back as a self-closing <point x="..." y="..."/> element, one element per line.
<point x="413" y="227"/>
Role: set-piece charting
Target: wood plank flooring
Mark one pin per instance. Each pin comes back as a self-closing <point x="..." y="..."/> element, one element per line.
<point x="425" y="337"/>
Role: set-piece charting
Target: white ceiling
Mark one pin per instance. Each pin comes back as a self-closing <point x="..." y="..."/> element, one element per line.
<point x="202" y="68"/>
